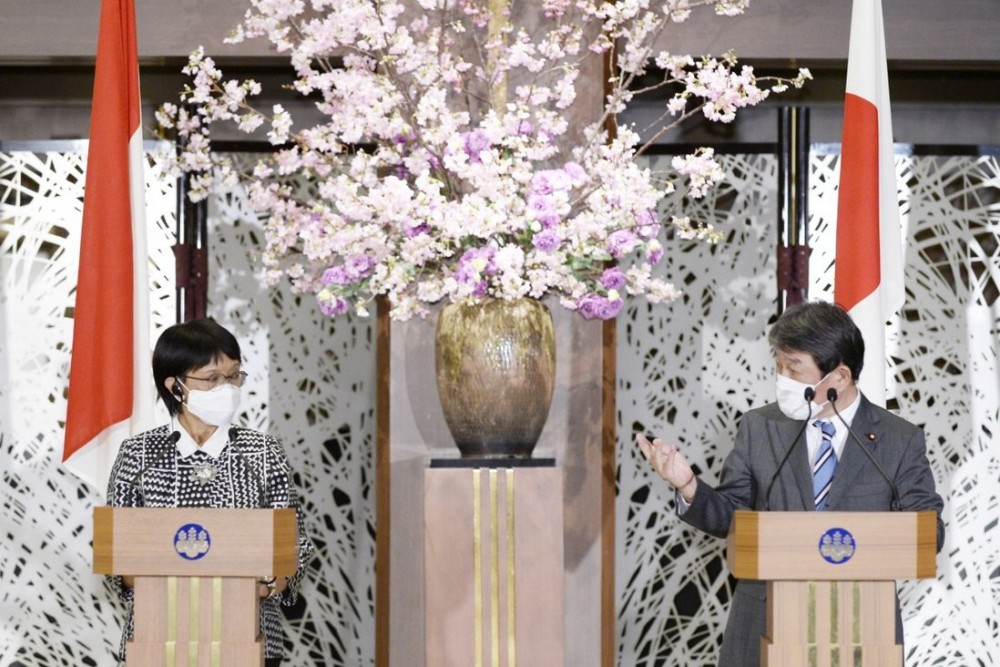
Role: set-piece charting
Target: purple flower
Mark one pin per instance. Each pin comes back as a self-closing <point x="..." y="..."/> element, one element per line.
<point x="478" y="261"/>
<point x="541" y="207"/>
<point x="575" y="172"/>
<point x="596" y="307"/>
<point x="417" y="230"/>
<point x="520" y="127"/>
<point x="546" y="240"/>
<point x="550" y="180"/>
<point x="472" y="266"/>
<point x="336" y="275"/>
<point x="331" y="305"/>
<point x="655" y="255"/>
<point x="541" y="184"/>
<point x="613" y="278"/>
<point x="360" y="266"/>
<point x="647" y="224"/>
<point x="465" y="274"/>
<point x="476" y="141"/>
<point x="353" y="269"/>
<point x="620" y="242"/>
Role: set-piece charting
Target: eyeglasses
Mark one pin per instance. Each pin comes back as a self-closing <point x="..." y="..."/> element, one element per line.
<point x="217" y="379"/>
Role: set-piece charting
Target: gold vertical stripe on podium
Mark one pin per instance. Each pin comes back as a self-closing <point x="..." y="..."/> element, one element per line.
<point x="171" y="644"/>
<point x="494" y="572"/>
<point x="811" y="607"/>
<point x="194" y="619"/>
<point x="477" y="562"/>
<point x="216" y="621"/>
<point x="856" y="623"/>
<point x="856" y="620"/>
<point x="511" y="599"/>
<point x="834" y="611"/>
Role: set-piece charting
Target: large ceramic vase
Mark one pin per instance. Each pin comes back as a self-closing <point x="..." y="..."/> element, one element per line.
<point x="495" y="374"/>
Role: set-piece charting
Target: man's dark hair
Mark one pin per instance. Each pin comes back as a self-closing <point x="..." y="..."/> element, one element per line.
<point x="825" y="332"/>
<point x="184" y="347"/>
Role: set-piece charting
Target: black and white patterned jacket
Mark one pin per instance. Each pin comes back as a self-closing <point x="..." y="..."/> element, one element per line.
<point x="249" y="469"/>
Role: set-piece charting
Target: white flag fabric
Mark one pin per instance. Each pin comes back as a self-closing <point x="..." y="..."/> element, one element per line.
<point x="868" y="276"/>
<point x="111" y="392"/>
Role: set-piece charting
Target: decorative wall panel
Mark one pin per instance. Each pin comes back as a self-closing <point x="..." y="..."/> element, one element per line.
<point x="672" y="584"/>
<point x="944" y="359"/>
<point x="53" y="609"/>
<point x="687" y="371"/>
<point x="312" y="384"/>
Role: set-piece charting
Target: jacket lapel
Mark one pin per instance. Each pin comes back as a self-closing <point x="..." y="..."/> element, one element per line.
<point x="852" y="462"/>
<point x="784" y="494"/>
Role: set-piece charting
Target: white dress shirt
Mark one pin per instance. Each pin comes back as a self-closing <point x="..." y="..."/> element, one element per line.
<point x="814" y="436"/>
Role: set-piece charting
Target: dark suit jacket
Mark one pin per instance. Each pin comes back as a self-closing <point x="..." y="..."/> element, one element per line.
<point x="763" y="437"/>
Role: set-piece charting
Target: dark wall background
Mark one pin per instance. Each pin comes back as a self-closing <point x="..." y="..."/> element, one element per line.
<point x="944" y="64"/>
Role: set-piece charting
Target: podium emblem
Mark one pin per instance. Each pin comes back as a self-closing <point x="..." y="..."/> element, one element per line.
<point x="837" y="546"/>
<point x="192" y="541"/>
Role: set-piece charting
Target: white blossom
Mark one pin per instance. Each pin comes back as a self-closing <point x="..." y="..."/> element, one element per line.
<point x="443" y="165"/>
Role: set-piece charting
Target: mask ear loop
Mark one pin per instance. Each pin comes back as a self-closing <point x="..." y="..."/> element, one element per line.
<point x="816" y="393"/>
<point x="821" y="381"/>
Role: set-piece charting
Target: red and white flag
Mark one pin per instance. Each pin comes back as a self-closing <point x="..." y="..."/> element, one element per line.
<point x="111" y="391"/>
<point x="868" y="277"/>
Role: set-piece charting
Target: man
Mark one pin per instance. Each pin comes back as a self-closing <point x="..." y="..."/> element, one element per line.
<point x="817" y="348"/>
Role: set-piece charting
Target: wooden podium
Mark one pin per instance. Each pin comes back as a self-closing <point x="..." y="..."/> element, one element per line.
<point x="831" y="590"/>
<point x="196" y="573"/>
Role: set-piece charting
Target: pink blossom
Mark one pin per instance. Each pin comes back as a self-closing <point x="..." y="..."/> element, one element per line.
<point x="421" y="182"/>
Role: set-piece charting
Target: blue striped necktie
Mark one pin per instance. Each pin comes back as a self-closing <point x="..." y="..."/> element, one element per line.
<point x="826" y="463"/>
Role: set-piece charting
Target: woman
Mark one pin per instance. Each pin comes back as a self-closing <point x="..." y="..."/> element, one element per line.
<point x="200" y="459"/>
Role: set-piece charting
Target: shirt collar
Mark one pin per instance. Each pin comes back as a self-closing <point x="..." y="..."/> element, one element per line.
<point x="848" y="412"/>
<point x="813" y="436"/>
<point x="186" y="445"/>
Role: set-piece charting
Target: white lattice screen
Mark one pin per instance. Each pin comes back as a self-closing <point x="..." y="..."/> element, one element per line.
<point x="686" y="371"/>
<point x="311" y="383"/>
<point x="689" y="370"/>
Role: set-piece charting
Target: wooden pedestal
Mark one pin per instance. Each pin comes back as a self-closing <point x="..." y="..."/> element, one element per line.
<point x="562" y="564"/>
<point x="494" y="567"/>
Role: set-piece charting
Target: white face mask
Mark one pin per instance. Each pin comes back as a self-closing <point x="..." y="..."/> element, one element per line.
<point x="791" y="397"/>
<point x="215" y="407"/>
